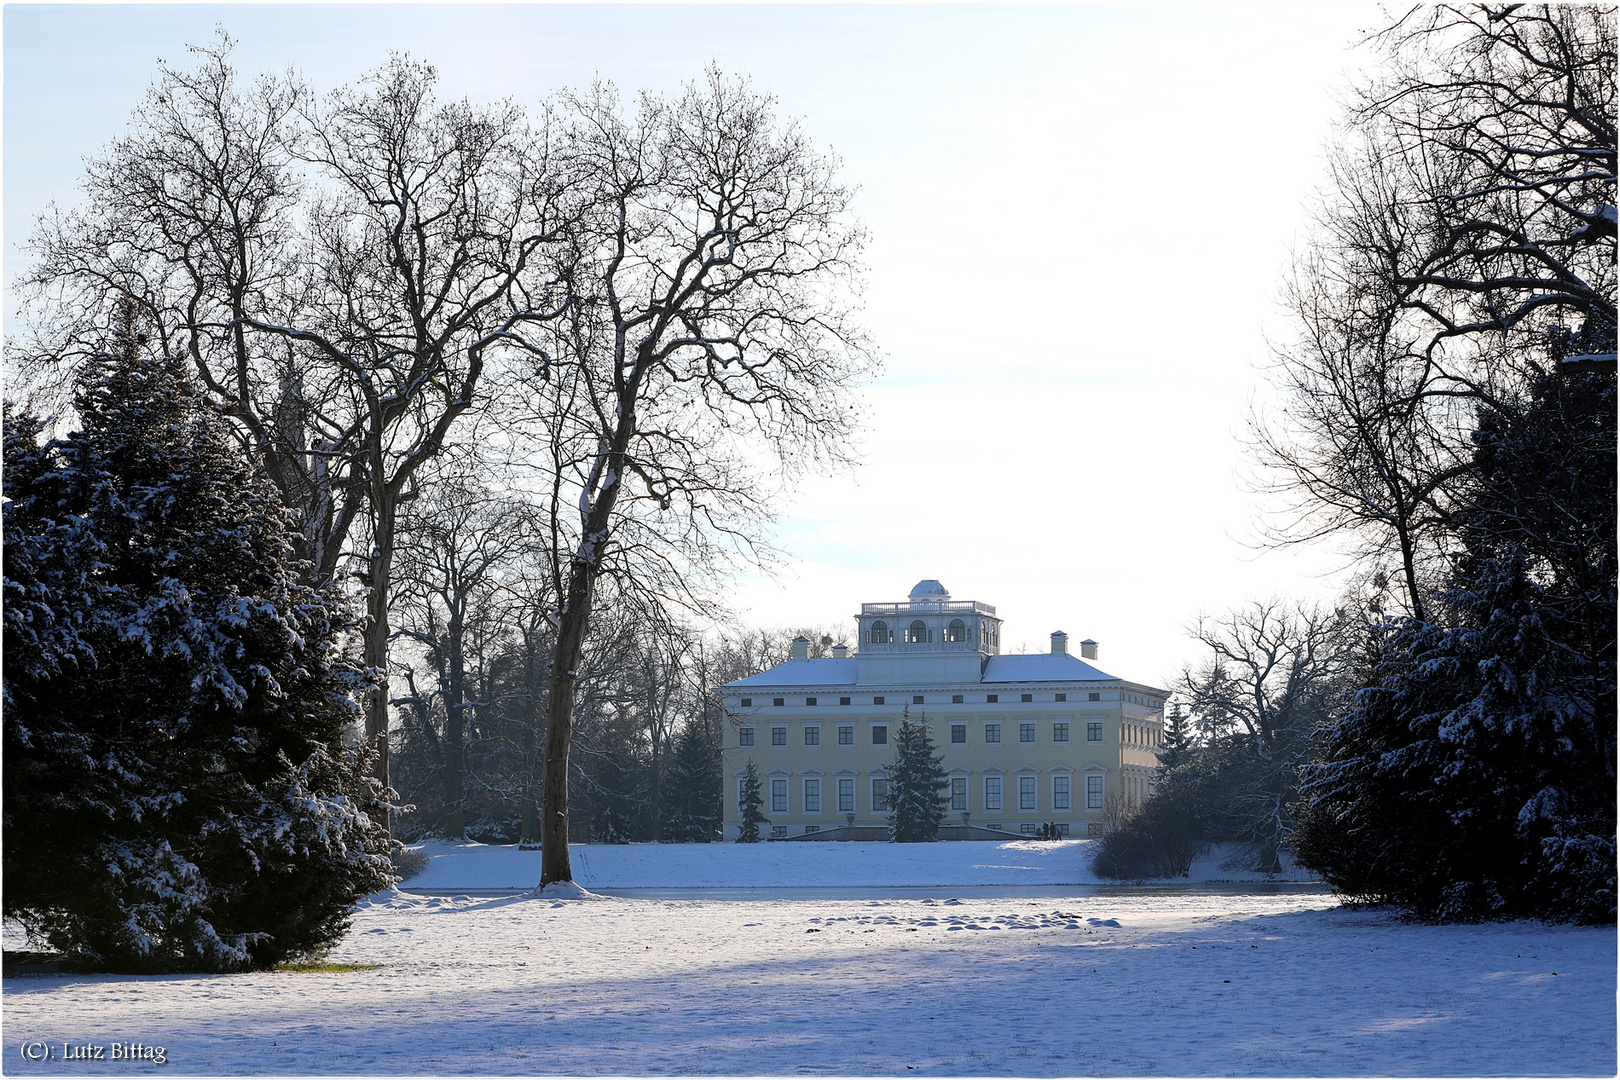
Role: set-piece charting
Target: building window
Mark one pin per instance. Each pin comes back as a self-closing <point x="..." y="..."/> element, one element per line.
<point x="1094" y="696"/>
<point x="957" y="631"/>
<point x="877" y="701"/>
<point x="809" y="701"/>
<point x="1026" y="697"/>
<point x="958" y="793"/>
<point x="880" y="795"/>
<point x="747" y="701"/>
<point x="996" y="825"/>
<point x="846" y="795"/>
<point x="778" y="736"/>
<point x="917" y="632"/>
<point x="778" y="795"/>
<point x="992" y="733"/>
<point x="812" y="796"/>
<point x="1060" y="697"/>
<point x="1060" y="732"/>
<point x="846" y="734"/>
<point x="1026" y="792"/>
<point x="812" y="736"/>
<point x="992" y="793"/>
<point x="1062" y="827"/>
<point x="992" y="698"/>
<point x="778" y="701"/>
<point x="741" y="788"/>
<point x="1094" y="792"/>
<point x="1026" y="732"/>
<point x="959" y="733"/>
<point x="880" y="735"/>
<point x="778" y="832"/>
<point x="916" y="699"/>
<point x="745" y="736"/>
<point x="843" y="701"/>
<point x="1094" y="731"/>
<point x="1027" y="828"/>
<point x="1060" y="792"/>
<point x="956" y="699"/>
<point x="812" y="828"/>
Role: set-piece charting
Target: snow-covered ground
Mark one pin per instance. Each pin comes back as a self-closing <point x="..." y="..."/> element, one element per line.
<point x="1107" y="983"/>
<point x="787" y="865"/>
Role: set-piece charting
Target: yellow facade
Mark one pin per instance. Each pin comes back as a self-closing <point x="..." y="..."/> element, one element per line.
<point x="1026" y="740"/>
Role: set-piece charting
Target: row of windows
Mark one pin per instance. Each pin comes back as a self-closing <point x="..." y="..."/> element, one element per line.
<point x="844" y="794"/>
<point x="880" y="734"/>
<point x="919" y="633"/>
<point x="918" y="699"/>
<point x="1027" y="828"/>
<point x="1139" y="734"/>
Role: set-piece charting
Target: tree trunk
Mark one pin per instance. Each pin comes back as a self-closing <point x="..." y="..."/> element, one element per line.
<point x="573" y="624"/>
<point x="455" y="759"/>
<point x="381" y="566"/>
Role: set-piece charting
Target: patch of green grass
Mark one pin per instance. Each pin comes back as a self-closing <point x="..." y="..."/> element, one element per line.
<point x="324" y="969"/>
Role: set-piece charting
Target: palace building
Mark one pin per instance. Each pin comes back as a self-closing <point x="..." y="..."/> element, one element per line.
<point x="1026" y="739"/>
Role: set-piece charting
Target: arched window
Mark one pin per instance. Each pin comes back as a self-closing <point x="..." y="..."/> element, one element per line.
<point x="880" y="633"/>
<point x="918" y="631"/>
<point x="957" y="631"/>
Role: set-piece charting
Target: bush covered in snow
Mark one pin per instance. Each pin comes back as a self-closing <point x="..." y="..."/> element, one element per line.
<point x="178" y="794"/>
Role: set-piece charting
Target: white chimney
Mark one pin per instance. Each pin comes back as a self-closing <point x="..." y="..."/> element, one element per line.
<point x="840" y="651"/>
<point x="1060" y="642"/>
<point x="1088" y="649"/>
<point x="801" y="648"/>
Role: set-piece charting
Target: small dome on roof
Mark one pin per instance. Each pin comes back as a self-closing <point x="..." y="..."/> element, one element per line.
<point x="929" y="590"/>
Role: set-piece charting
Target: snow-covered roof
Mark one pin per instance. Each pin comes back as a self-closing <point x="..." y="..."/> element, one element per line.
<point x="1041" y="667"/>
<point x="802" y="673"/>
<point x="1030" y="667"/>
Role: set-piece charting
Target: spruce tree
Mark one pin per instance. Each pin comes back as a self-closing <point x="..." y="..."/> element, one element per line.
<point x="1473" y="776"/>
<point x="749" y="802"/>
<point x="691" y="789"/>
<point x="917" y="784"/>
<point x="1177" y="739"/>
<point x="178" y="794"/>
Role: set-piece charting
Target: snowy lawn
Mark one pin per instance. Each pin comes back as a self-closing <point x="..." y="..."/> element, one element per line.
<point x="1133" y="982"/>
<point x="785" y="865"/>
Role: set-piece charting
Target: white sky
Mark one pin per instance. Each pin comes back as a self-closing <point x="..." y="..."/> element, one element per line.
<point x="1080" y="216"/>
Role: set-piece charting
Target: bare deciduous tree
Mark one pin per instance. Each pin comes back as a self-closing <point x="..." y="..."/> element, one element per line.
<point x="1466" y="235"/>
<point x="336" y="271"/>
<point x="1274" y="672"/>
<point x="709" y="353"/>
<point x="458" y="550"/>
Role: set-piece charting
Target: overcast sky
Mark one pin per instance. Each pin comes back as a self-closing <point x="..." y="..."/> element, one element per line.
<point x="1079" y="218"/>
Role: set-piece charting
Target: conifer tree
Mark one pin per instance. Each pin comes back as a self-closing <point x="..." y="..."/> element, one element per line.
<point x="749" y="802"/>
<point x="917" y="784"/>
<point x="178" y="795"/>
<point x="1473" y="777"/>
<point x="692" y="788"/>
<point x="1177" y="739"/>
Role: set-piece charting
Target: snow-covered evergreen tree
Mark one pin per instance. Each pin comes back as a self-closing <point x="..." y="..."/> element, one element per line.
<point x="917" y="784"/>
<point x="1474" y="776"/>
<point x="750" y="801"/>
<point x="178" y="795"/>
